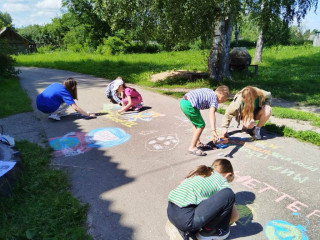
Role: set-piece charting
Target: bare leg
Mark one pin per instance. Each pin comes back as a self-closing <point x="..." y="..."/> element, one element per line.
<point x="195" y="138"/>
<point x="263" y="115"/>
<point x="61" y="111"/>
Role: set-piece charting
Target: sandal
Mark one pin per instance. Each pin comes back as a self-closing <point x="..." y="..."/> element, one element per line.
<point x="204" y="146"/>
<point x="198" y="152"/>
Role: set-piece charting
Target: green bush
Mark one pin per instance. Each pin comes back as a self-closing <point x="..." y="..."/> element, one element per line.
<point x="139" y="47"/>
<point x="77" y="47"/>
<point x="45" y="49"/>
<point x="6" y="61"/>
<point x="113" y="46"/>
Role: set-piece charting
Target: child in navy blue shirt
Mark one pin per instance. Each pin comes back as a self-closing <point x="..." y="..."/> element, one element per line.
<point x="57" y="97"/>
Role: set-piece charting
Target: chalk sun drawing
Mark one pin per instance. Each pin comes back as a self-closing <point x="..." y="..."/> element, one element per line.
<point x="141" y="116"/>
<point x="282" y="230"/>
<point x="162" y="143"/>
<point x="107" y="137"/>
<point x="71" y="144"/>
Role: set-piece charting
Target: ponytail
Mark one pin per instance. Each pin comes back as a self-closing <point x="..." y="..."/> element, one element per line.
<point x="202" y="170"/>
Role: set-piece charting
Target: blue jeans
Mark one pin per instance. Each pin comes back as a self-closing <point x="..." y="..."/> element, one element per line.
<point x="214" y="212"/>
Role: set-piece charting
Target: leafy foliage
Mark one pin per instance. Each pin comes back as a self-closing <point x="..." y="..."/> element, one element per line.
<point x="112" y="46"/>
<point x="5" y="20"/>
<point x="6" y="61"/>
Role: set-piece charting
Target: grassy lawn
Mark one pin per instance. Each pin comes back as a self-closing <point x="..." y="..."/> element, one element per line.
<point x="41" y="206"/>
<point x="299" y="115"/>
<point x="12" y="98"/>
<point x="289" y="72"/>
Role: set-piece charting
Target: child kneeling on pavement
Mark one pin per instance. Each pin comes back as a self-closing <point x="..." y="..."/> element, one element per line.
<point x="203" y="204"/>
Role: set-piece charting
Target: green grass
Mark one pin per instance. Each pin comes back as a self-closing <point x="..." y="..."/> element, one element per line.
<point x="41" y="206"/>
<point x="289" y="72"/>
<point x="12" y="98"/>
<point x="304" y="136"/>
<point x="295" y="114"/>
<point x="135" y="68"/>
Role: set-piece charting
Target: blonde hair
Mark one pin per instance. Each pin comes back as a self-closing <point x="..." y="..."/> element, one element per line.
<point x="249" y="95"/>
<point x="71" y="85"/>
<point x="224" y="90"/>
<point x="221" y="165"/>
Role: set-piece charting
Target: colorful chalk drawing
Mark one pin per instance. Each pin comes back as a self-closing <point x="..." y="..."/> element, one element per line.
<point x="71" y="144"/>
<point x="146" y="116"/>
<point x="282" y="230"/>
<point x="245" y="213"/>
<point x="75" y="143"/>
<point x="265" y="151"/>
<point x="261" y="188"/>
<point x="107" y="137"/>
<point x="128" y="119"/>
<point x="162" y="143"/>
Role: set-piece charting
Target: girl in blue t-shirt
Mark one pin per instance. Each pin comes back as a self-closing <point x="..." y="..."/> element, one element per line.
<point x="203" y="203"/>
<point x="57" y="97"/>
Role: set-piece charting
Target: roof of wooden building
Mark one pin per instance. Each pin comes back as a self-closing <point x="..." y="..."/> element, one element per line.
<point x="13" y="37"/>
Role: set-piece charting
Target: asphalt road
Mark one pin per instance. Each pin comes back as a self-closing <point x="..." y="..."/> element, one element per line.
<point x="125" y="166"/>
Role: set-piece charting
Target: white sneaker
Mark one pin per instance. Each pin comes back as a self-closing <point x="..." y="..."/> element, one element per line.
<point x="54" y="117"/>
<point x="257" y="134"/>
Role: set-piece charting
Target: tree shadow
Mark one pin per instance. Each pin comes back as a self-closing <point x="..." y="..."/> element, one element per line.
<point x="91" y="173"/>
<point x="244" y="227"/>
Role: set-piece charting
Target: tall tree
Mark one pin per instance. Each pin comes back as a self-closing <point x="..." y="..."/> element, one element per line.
<point x="268" y="11"/>
<point x="86" y="14"/>
<point x="5" y="20"/>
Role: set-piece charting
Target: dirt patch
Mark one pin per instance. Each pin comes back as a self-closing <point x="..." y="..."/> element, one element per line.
<point x="178" y="73"/>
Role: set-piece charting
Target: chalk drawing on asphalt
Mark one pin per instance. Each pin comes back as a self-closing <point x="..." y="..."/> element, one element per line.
<point x="107" y="137"/>
<point x="128" y="119"/>
<point x="145" y="116"/>
<point x="144" y="133"/>
<point x="71" y="144"/>
<point x="162" y="143"/>
<point x="282" y="230"/>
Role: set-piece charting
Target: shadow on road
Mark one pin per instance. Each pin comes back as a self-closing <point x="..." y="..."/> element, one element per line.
<point x="92" y="171"/>
<point x="244" y="227"/>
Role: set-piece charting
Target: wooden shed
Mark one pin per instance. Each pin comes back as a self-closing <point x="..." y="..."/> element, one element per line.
<point x="16" y="42"/>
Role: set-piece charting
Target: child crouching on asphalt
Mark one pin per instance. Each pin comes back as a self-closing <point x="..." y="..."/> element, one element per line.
<point x="192" y="103"/>
<point x="111" y="92"/>
<point x="203" y="204"/>
<point x="131" y="97"/>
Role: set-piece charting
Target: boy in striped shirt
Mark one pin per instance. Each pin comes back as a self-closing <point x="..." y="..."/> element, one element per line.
<point x="199" y="99"/>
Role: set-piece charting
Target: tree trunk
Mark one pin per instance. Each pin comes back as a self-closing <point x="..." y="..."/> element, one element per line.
<point x="259" y="48"/>
<point x="218" y="60"/>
